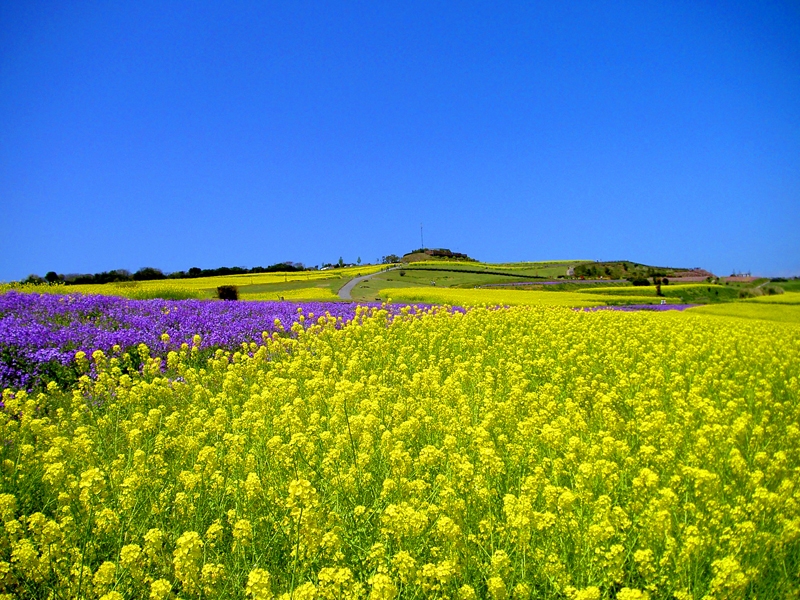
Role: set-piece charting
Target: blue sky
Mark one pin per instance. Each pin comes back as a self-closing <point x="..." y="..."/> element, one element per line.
<point x="180" y="134"/>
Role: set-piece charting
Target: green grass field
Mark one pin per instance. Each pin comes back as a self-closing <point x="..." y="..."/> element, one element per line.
<point x="504" y="270"/>
<point x="789" y="286"/>
<point x="464" y="275"/>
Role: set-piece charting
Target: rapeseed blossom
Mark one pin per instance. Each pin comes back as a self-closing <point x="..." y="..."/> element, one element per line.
<point x="519" y="453"/>
<point x="258" y="585"/>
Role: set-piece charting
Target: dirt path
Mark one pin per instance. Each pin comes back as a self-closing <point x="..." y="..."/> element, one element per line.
<point x="347" y="288"/>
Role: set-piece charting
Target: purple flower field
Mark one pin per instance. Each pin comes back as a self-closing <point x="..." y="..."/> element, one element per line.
<point x="40" y="331"/>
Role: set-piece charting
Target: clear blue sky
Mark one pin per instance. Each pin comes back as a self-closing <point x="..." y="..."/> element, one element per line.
<point x="180" y="134"/>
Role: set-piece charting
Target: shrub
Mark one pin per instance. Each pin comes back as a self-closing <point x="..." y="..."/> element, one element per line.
<point x="750" y="292"/>
<point x="640" y="281"/>
<point x="228" y="292"/>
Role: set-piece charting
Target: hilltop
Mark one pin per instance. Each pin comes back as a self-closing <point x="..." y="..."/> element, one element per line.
<point x="443" y="254"/>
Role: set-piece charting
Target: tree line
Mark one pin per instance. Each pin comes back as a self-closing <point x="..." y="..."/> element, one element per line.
<point x="151" y="273"/>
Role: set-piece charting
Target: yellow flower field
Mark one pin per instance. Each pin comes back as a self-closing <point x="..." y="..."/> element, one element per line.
<point x="505" y="297"/>
<point x="299" y="295"/>
<point x="531" y="452"/>
<point x="492" y="297"/>
<point x="785" y="298"/>
<point x="134" y="290"/>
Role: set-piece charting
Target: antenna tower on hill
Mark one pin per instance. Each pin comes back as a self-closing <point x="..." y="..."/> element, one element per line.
<point x="421" y="241"/>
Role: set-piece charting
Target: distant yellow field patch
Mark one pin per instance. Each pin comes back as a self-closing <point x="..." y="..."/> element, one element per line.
<point x="460" y="297"/>
<point x="792" y="298"/>
<point x="510" y="297"/>
<point x="211" y="283"/>
<point x="783" y="313"/>
<point x="135" y="290"/>
<point x="311" y="294"/>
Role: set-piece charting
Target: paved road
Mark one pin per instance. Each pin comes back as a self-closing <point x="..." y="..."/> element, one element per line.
<point x="344" y="291"/>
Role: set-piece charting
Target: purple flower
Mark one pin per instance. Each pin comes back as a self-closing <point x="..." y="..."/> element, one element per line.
<point x="40" y="332"/>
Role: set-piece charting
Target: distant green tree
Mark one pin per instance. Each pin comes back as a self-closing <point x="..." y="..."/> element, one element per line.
<point x="148" y="273"/>
<point x="657" y="283"/>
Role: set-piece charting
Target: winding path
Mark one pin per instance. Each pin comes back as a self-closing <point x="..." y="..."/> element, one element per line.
<point x="344" y="291"/>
